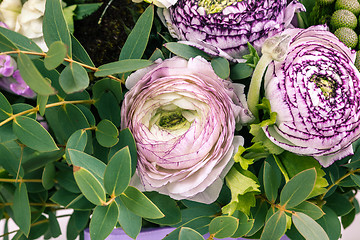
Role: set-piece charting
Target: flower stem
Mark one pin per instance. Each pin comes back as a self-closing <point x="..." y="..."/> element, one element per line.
<point x="255" y="84"/>
<point x="20" y="180"/>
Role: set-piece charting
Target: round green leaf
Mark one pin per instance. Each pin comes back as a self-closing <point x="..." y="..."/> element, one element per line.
<point x="223" y="226"/>
<point x="308" y="228"/>
<point x="89" y="186"/>
<point x="302" y="184"/>
<point x="33" y="135"/>
<point x="118" y="172"/>
<point x="221" y="67"/>
<point x="55" y="56"/>
<point x="103" y="221"/>
<point x="74" y="78"/>
<point x="106" y="133"/>
<point x="139" y="204"/>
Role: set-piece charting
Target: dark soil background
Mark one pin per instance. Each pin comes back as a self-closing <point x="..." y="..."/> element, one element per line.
<point x="104" y="32"/>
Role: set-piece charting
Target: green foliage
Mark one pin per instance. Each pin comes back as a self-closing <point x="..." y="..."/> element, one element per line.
<point x="103" y="221"/>
<point x="184" y="51"/>
<point x="221" y="67"/>
<point x="55" y="56"/>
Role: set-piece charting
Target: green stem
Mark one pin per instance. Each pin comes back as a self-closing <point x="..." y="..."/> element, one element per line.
<point x="337" y="182"/>
<point x="36" y="109"/>
<point x="255" y="84"/>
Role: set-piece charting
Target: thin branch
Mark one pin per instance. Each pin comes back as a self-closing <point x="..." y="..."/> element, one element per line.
<point x="36" y="109"/>
<point x="20" y="180"/>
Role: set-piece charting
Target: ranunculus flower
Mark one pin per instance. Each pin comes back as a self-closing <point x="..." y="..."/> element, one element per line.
<point x="223" y="28"/>
<point x="159" y="3"/>
<point x="183" y="118"/>
<point x="9" y="11"/>
<point x="7" y="66"/>
<point x="15" y="84"/>
<point x="316" y="94"/>
<point x="30" y="20"/>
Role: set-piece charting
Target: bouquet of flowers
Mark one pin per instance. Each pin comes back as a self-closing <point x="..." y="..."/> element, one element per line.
<point x="228" y="118"/>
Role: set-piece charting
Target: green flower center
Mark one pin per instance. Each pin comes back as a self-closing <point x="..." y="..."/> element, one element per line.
<point x="172" y="120"/>
<point x="215" y="6"/>
<point x="326" y="85"/>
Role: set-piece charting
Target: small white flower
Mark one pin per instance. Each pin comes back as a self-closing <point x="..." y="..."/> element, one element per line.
<point x="9" y="11"/>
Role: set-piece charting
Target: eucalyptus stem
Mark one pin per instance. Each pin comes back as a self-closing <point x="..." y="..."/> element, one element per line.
<point x="20" y="180"/>
<point x="70" y="60"/>
<point x="32" y="204"/>
<point x="36" y="109"/>
<point x="32" y="225"/>
<point x="337" y="182"/>
<point x="255" y="84"/>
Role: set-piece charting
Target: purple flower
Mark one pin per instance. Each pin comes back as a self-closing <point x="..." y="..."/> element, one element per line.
<point x="7" y="66"/>
<point x="15" y="84"/>
<point x="315" y="91"/>
<point x="223" y="28"/>
<point x="183" y="118"/>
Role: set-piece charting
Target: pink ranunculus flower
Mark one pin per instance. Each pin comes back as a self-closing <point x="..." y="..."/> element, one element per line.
<point x="183" y="118"/>
<point x="315" y="91"/>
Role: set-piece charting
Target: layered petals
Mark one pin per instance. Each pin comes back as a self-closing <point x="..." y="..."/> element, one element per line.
<point x="183" y="118"/>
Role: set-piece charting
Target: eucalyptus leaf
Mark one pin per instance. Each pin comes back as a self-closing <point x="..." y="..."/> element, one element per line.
<point x="33" y="77"/>
<point x="106" y="133"/>
<point x="48" y="176"/>
<point x="137" y="40"/>
<point x="6" y="44"/>
<point x="130" y="222"/>
<point x="79" y="53"/>
<point x="23" y="43"/>
<point x="240" y="71"/>
<point x="339" y="203"/>
<point x="74" y="78"/>
<point x="5" y="108"/>
<point x="41" y="103"/>
<point x="223" y="226"/>
<point x="221" y="67"/>
<point x="86" y="9"/>
<point x="185" y="51"/>
<point x="88" y="162"/>
<point x="105" y="85"/>
<point x="54" y="225"/>
<point x="21" y="208"/>
<point x="310" y="209"/>
<point x="330" y="223"/>
<point x="302" y="184"/>
<point x="167" y="206"/>
<point x="118" y="173"/>
<point x="107" y="109"/>
<point x="55" y="27"/>
<point x="103" y="221"/>
<point x="275" y="227"/>
<point x="308" y="228"/>
<point x="189" y="234"/>
<point x="122" y="66"/>
<point x="55" y="56"/>
<point x="245" y="224"/>
<point x="77" y="141"/>
<point x="33" y="135"/>
<point x="77" y="223"/>
<point x="90" y="186"/>
<point x="139" y="204"/>
<point x="272" y="181"/>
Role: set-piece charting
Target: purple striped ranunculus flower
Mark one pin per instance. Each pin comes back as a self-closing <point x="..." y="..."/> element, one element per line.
<point x="315" y="91"/>
<point x="223" y="28"/>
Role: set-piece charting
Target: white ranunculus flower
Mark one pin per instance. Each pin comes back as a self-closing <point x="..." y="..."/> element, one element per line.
<point x="30" y="20"/>
<point x="9" y="11"/>
<point x="159" y="3"/>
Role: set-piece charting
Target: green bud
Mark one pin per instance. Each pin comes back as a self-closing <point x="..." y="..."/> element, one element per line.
<point x="343" y="18"/>
<point x="351" y="5"/>
<point x="348" y="36"/>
